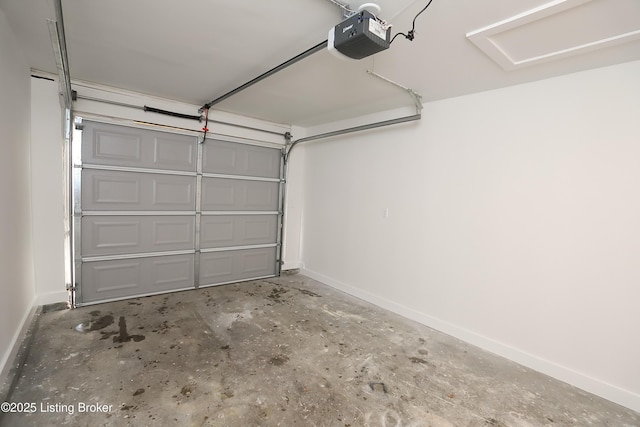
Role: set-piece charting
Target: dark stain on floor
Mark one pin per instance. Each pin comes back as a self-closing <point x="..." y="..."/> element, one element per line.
<point x="124" y="335"/>
<point x="105" y="335"/>
<point x="378" y="387"/>
<point x="276" y="294"/>
<point x="308" y="293"/>
<point x="101" y="323"/>
<point x="279" y="360"/>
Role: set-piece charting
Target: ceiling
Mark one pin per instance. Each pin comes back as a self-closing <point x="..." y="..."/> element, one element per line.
<point x="196" y="50"/>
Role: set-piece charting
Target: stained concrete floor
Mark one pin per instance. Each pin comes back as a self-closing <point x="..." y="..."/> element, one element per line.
<point x="287" y="351"/>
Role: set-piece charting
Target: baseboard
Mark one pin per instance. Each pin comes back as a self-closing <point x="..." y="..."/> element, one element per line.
<point x="53" y="297"/>
<point x="7" y="361"/>
<point x="589" y="384"/>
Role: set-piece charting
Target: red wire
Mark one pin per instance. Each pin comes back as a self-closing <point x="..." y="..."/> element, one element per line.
<point x="205" y="129"/>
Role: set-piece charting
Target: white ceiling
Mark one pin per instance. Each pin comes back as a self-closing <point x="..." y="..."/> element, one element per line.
<point x="197" y="50"/>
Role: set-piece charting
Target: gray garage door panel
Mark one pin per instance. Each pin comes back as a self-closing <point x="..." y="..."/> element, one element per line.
<point x="229" y="158"/>
<point x="138" y="276"/>
<point x="115" y="190"/>
<point x="117" y="235"/>
<point x="237" y="230"/>
<point x="232" y="266"/>
<point x="113" y="145"/>
<point x="156" y="212"/>
<point x="221" y="194"/>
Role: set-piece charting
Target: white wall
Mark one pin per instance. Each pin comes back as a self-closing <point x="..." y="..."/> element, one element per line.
<point x="513" y="223"/>
<point x="294" y="205"/>
<point x="16" y="256"/>
<point x="47" y="140"/>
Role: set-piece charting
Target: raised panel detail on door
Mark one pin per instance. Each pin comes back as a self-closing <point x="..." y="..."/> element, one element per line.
<point x="117" y="235"/>
<point x="229" y="158"/>
<point x="116" y="190"/>
<point x="230" y="266"/>
<point x="169" y="154"/>
<point x="115" y="148"/>
<point x="237" y="230"/>
<point x="112" y="145"/>
<point x="172" y="272"/>
<point x="173" y="233"/>
<point x="109" y="188"/>
<point x="138" y="276"/>
<point x="257" y="262"/>
<point x="221" y="194"/>
<point x="169" y="192"/>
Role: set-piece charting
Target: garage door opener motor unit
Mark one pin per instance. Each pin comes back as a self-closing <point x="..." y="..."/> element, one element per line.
<point x="359" y="36"/>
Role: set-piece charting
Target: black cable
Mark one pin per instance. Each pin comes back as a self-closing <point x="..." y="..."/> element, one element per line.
<point x="171" y="113"/>
<point x="398" y="34"/>
<point x="411" y="34"/>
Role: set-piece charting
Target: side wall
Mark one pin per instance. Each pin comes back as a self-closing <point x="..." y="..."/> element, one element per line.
<point x="16" y="249"/>
<point x="507" y="218"/>
<point x="294" y="205"/>
<point x="47" y="186"/>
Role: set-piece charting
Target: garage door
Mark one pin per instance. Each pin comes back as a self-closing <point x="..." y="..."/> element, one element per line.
<point x="157" y="211"/>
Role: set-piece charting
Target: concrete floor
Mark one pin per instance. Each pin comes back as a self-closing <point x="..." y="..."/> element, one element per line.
<point x="280" y="352"/>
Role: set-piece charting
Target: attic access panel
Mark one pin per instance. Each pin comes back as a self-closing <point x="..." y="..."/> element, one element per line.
<point x="532" y="37"/>
<point x="157" y="212"/>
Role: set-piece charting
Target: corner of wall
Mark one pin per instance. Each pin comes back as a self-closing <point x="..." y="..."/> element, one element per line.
<point x="585" y="382"/>
<point x="47" y="191"/>
<point x="7" y="364"/>
<point x="17" y="262"/>
<point x="500" y="199"/>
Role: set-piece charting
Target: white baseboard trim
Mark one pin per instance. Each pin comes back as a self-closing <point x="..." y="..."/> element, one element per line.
<point x="53" y="297"/>
<point x="18" y="337"/>
<point x="585" y="382"/>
